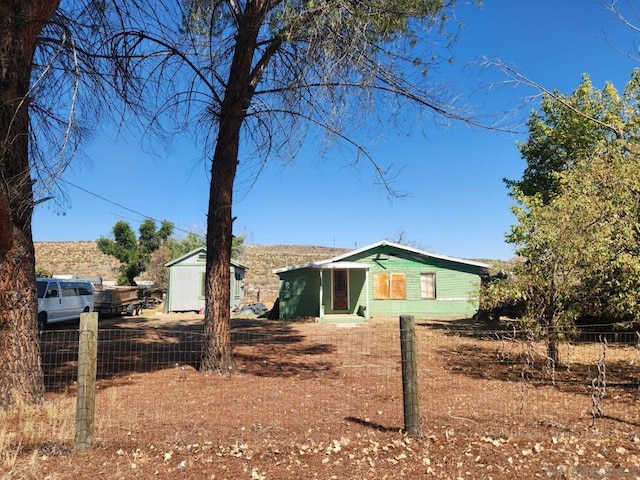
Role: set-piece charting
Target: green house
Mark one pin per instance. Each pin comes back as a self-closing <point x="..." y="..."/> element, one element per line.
<point x="381" y="280"/>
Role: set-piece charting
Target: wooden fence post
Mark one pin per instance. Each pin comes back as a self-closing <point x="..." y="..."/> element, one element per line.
<point x="87" y="367"/>
<point x="409" y="375"/>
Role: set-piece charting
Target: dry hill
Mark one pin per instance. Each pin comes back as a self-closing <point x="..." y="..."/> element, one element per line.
<point x="260" y="283"/>
<point x="84" y="258"/>
<point x="75" y="258"/>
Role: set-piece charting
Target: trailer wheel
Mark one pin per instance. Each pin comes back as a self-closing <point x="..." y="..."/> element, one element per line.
<point x="42" y="320"/>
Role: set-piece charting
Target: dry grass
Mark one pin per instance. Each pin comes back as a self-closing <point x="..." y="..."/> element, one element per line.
<point x="30" y="433"/>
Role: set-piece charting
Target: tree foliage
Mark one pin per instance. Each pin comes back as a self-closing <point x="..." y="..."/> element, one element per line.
<point x="569" y="127"/>
<point x="54" y="79"/>
<point x="178" y="248"/>
<point x="134" y="253"/>
<point x="255" y="76"/>
<point x="39" y="90"/>
<point x="578" y="211"/>
<point x="171" y="249"/>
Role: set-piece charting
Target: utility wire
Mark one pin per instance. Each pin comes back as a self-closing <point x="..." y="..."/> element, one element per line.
<point x="119" y="205"/>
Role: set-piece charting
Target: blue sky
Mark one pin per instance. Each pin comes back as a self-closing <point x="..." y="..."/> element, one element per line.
<point x="456" y="202"/>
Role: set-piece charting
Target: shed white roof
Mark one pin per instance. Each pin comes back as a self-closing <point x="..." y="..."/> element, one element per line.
<point x="197" y="251"/>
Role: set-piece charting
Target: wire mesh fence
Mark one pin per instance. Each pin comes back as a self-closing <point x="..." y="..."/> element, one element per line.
<point x="493" y="381"/>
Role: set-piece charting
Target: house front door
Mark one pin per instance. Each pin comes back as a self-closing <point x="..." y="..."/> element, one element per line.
<point x="340" y="290"/>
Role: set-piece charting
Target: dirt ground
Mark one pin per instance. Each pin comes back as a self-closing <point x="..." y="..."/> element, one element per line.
<point x="327" y="404"/>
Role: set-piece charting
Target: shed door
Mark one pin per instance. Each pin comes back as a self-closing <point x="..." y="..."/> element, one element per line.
<point x="340" y="290"/>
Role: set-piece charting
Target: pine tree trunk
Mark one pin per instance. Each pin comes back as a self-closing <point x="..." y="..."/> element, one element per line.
<point x="217" y="353"/>
<point x="20" y="370"/>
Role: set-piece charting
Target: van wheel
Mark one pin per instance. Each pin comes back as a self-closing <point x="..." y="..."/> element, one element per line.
<point x="86" y="310"/>
<point x="42" y="320"/>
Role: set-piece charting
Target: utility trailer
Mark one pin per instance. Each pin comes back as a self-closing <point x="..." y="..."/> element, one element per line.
<point x="111" y="301"/>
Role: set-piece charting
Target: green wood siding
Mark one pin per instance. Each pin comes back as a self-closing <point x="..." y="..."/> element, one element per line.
<point x="457" y="285"/>
<point x="302" y="297"/>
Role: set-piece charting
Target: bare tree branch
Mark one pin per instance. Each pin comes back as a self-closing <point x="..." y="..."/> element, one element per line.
<point x="522" y="79"/>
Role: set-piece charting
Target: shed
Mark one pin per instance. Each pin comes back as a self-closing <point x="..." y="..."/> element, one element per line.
<point x="381" y="280"/>
<point x="185" y="288"/>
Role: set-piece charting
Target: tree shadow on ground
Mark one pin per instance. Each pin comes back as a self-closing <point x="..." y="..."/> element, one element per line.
<point x="373" y="425"/>
<point x="493" y="363"/>
<point x="284" y="361"/>
<point x="471" y="328"/>
<point x="620" y="420"/>
<point x="136" y="345"/>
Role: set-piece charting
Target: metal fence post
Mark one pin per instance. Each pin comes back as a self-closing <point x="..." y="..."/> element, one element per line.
<point x="87" y="367"/>
<point x="409" y="375"/>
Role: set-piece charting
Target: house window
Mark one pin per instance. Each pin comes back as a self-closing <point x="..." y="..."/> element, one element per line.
<point x="389" y="286"/>
<point x="203" y="278"/>
<point x="428" y="285"/>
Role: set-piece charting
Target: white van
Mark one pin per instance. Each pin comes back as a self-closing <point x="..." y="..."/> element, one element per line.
<point x="60" y="300"/>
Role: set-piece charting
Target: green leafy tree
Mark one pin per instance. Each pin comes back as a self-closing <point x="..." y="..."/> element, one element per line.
<point x="569" y="127"/>
<point x="582" y="248"/>
<point x="190" y="242"/>
<point x="134" y="253"/>
<point x="171" y="249"/>
<point x="236" y="245"/>
<point x="257" y="76"/>
<point x="578" y="212"/>
<point x="42" y="272"/>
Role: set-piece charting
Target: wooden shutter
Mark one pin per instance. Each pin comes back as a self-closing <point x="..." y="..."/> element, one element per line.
<point x="381" y="286"/>
<point x="398" y="286"/>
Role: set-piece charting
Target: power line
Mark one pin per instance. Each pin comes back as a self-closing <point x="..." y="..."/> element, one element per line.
<point x="120" y="205"/>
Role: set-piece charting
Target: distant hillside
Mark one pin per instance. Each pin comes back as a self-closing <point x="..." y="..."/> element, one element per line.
<point x="84" y="258"/>
<point x="262" y="259"/>
<point x="75" y="258"/>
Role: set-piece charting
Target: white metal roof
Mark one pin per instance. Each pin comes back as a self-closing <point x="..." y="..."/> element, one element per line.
<point x="337" y="262"/>
<point x="199" y="250"/>
<point x="324" y="265"/>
